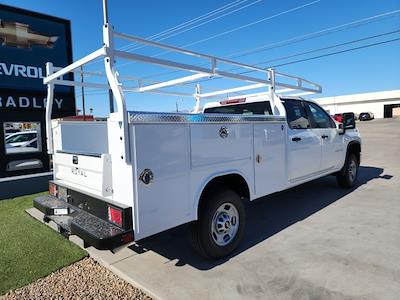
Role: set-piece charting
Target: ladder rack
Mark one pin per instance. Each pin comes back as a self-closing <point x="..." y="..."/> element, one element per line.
<point x="263" y="77"/>
<point x="271" y="77"/>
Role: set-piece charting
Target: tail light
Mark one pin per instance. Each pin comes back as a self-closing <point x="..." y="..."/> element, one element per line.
<point x="115" y="215"/>
<point x="52" y="189"/>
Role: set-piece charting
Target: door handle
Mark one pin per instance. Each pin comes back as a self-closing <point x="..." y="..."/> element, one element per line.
<point x="325" y="136"/>
<point x="296" y="139"/>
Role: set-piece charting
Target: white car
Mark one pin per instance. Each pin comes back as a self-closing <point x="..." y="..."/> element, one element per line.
<point x="24" y="141"/>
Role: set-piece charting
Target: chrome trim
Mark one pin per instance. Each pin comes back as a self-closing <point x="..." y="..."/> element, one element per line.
<point x="156" y="117"/>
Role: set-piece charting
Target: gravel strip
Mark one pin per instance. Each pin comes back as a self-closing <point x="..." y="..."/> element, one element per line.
<point x="85" y="279"/>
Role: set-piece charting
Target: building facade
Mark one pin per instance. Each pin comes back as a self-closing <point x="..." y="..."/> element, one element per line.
<point x="384" y="104"/>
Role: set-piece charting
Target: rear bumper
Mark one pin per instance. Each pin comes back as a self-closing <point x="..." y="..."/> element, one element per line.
<point x="72" y="220"/>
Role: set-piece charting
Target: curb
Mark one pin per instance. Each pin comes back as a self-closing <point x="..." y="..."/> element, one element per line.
<point x="38" y="215"/>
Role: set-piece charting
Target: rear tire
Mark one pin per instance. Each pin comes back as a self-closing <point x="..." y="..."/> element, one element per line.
<point x="347" y="177"/>
<point x="220" y="226"/>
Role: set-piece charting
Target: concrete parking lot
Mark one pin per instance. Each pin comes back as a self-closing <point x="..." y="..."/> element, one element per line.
<point x="315" y="241"/>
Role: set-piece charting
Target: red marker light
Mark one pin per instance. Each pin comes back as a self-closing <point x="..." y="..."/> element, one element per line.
<point x="115" y="215"/>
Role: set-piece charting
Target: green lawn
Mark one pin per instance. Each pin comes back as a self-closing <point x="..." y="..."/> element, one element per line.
<point x="29" y="249"/>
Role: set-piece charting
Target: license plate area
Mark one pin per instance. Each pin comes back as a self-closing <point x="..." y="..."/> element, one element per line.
<point x="61" y="211"/>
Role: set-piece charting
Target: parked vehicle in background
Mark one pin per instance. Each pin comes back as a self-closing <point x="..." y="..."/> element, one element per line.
<point x="366" y="116"/>
<point x="338" y="117"/>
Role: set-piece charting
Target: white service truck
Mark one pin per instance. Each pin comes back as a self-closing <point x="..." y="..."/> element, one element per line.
<point x="141" y="173"/>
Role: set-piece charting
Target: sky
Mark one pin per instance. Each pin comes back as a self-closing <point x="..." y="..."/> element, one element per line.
<point x="368" y="69"/>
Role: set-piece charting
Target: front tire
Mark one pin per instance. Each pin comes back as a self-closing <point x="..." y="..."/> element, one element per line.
<point x="221" y="224"/>
<point x="347" y="177"/>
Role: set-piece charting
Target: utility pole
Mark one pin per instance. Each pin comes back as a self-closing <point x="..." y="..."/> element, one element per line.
<point x="83" y="96"/>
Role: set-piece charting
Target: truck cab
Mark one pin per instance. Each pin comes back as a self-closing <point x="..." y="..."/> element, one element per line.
<point x="316" y="144"/>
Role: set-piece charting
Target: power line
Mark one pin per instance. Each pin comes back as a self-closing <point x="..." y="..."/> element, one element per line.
<point x="251" y="24"/>
<point x="135" y="46"/>
<point x="194" y="20"/>
<point x="314" y="34"/>
<point x="186" y="23"/>
<point x="236" y="28"/>
<point x="337" y="52"/>
<point x="317" y="57"/>
<point x="245" y="26"/>
<point x="180" y="30"/>
<point x="324" y="48"/>
<point x="301" y="38"/>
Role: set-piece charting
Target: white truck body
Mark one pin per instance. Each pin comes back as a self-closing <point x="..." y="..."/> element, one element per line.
<point x="185" y="152"/>
<point x="157" y="167"/>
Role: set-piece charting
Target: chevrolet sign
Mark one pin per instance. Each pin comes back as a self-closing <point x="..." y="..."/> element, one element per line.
<point x="29" y="40"/>
<point x="19" y="35"/>
<point x="20" y="70"/>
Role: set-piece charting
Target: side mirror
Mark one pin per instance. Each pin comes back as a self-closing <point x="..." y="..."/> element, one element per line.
<point x="348" y="122"/>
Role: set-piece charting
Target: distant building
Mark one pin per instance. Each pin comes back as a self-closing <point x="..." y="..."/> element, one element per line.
<point x="79" y="118"/>
<point x="385" y="104"/>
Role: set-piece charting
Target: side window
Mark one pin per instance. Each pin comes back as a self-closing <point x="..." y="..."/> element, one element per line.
<point x="320" y="118"/>
<point x="296" y="114"/>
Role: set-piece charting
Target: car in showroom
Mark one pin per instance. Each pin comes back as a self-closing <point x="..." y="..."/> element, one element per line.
<point x="23" y="141"/>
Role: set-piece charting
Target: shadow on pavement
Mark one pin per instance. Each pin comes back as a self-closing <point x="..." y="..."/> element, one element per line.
<point x="265" y="217"/>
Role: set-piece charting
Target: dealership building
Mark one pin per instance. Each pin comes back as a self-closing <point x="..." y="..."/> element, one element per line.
<point x="384" y="104"/>
<point x="28" y="41"/>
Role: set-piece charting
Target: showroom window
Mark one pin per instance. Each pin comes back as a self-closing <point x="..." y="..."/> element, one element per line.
<point x="22" y="137"/>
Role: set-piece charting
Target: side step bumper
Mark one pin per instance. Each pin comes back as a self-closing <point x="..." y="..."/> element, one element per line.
<point x="74" y="221"/>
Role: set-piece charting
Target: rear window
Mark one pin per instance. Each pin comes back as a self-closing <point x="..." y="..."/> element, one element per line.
<point x="254" y="108"/>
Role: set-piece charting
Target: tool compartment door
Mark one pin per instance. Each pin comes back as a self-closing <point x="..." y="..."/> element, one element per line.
<point x="269" y="158"/>
<point x="163" y="203"/>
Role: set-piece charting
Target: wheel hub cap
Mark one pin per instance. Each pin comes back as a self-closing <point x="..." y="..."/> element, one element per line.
<point x="352" y="170"/>
<point x="225" y="224"/>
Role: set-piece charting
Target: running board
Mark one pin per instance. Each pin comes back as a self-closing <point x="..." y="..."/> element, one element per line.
<point x="74" y="221"/>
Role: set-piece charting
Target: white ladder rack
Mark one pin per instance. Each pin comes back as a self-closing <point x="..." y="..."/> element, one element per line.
<point x="264" y="77"/>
